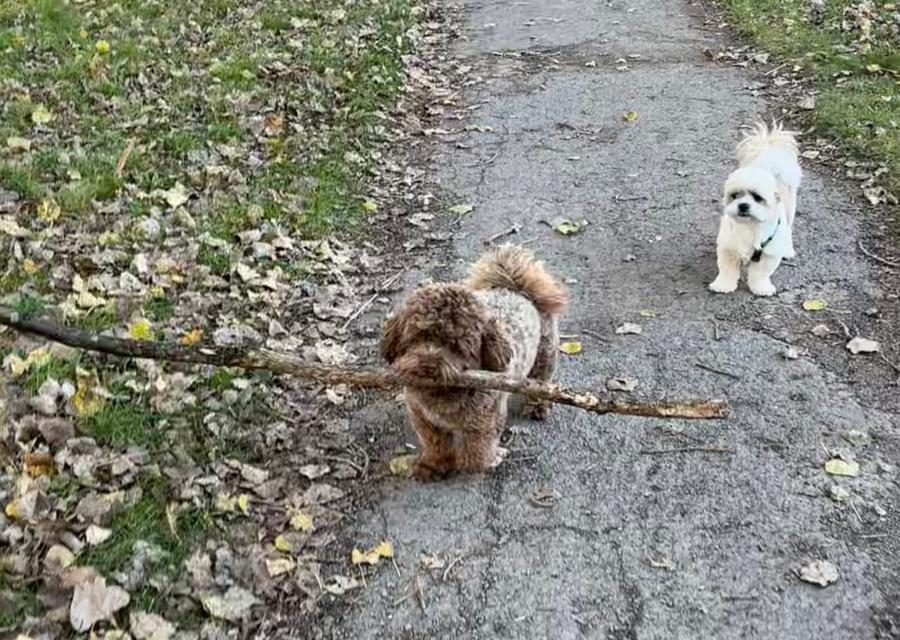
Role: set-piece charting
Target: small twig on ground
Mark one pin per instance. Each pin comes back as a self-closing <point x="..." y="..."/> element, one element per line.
<point x="655" y="452"/>
<point x="856" y="511"/>
<point x="884" y="359"/>
<point x="450" y="566"/>
<point x="500" y="234"/>
<point x="594" y="334"/>
<point x="420" y="593"/>
<point x="288" y="364"/>
<point x="660" y="564"/>
<point x="707" y="367"/>
<point x="877" y="258"/>
<point x="844" y="327"/>
<point x="618" y="198"/>
<point x="123" y="157"/>
<point x="484" y="163"/>
<point x="716" y="335"/>
<point x="365" y="305"/>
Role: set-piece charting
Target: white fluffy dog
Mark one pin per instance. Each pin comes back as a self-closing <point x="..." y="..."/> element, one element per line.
<point x="760" y="203"/>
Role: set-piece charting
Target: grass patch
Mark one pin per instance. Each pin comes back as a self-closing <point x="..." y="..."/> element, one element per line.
<point x="96" y="320"/>
<point x="17" y="601"/>
<point x="123" y="424"/>
<point x="336" y="64"/>
<point x="858" y="100"/>
<point x="54" y="368"/>
<point x="28" y="306"/>
<point x="218" y="261"/>
<point x="147" y="524"/>
<point x="159" y="309"/>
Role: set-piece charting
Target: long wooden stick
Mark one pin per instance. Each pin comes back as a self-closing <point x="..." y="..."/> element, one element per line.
<point x="282" y="363"/>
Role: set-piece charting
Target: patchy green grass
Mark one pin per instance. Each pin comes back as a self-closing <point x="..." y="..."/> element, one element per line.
<point x="29" y="306"/>
<point x="147" y="144"/>
<point x="147" y="523"/>
<point x="16" y="602"/>
<point x="858" y="76"/>
<point x="122" y="424"/>
<point x="54" y="368"/>
<point x="326" y="69"/>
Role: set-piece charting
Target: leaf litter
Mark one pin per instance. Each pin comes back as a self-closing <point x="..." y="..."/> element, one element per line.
<point x="134" y="463"/>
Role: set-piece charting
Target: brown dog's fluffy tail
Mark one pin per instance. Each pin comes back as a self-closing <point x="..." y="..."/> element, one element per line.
<point x="516" y="269"/>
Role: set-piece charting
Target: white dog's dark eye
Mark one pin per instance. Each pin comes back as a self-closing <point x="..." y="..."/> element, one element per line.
<point x="757" y="197"/>
<point x="733" y="196"/>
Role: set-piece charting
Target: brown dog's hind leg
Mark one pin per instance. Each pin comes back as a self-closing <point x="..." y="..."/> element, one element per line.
<point x="436" y="458"/>
<point x="543" y="369"/>
<point x="481" y="439"/>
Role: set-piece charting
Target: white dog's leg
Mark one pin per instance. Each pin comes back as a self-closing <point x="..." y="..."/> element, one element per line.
<point x="729" y="272"/>
<point x="790" y="212"/>
<point x="789" y="252"/>
<point x="759" y="275"/>
<point x="790" y="207"/>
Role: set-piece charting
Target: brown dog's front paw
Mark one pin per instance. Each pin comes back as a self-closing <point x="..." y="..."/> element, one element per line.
<point x="428" y="472"/>
<point x="537" y="410"/>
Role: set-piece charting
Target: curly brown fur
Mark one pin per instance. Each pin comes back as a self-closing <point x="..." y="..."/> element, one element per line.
<point x="504" y="318"/>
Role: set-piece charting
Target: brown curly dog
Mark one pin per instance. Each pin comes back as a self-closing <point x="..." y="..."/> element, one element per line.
<point x="503" y="318"/>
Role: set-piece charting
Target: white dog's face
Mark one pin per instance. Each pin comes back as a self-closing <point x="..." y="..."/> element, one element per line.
<point x="751" y="195"/>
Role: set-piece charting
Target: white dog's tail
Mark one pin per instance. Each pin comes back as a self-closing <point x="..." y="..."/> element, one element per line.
<point x="516" y="269"/>
<point x="763" y="138"/>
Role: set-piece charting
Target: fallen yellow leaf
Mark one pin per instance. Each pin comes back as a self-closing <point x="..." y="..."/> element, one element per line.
<point x="648" y="313"/>
<point x="85" y="401"/>
<point x="357" y="557"/>
<point x="140" y="330"/>
<point x="814" y="305"/>
<point x="102" y="47"/>
<point x="49" y="211"/>
<point x="301" y="521"/>
<point x="570" y="348"/>
<point x="29" y="266"/>
<point x="384" y="549"/>
<point x="191" y="338"/>
<point x="38" y="357"/>
<point x="838" y="467"/>
<point x="631" y="116"/>
<point x="243" y="503"/>
<point x="41" y="115"/>
<point x="279" y="566"/>
<point x="399" y="465"/>
<point x="369" y="206"/>
<point x="225" y="503"/>
<point x="15" y="365"/>
<point x="282" y="544"/>
<point x="12" y="509"/>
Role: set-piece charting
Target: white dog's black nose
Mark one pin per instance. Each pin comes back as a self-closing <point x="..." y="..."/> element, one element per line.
<point x="744" y="208"/>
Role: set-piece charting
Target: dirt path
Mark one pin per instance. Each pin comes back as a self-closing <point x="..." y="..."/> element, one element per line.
<point x="640" y="541"/>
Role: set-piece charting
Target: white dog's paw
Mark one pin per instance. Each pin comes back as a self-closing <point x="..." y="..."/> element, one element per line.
<point x="720" y="285"/>
<point x="765" y="288"/>
<point x="499" y="458"/>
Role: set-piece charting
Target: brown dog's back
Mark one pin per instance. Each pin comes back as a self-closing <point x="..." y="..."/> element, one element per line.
<point x="516" y="269"/>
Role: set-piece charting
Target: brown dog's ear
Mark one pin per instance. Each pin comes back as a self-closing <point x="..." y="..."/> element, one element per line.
<point x="495" y="350"/>
<point x="390" y="338"/>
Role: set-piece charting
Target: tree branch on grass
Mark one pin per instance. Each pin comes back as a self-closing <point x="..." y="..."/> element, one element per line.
<point x="286" y="364"/>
